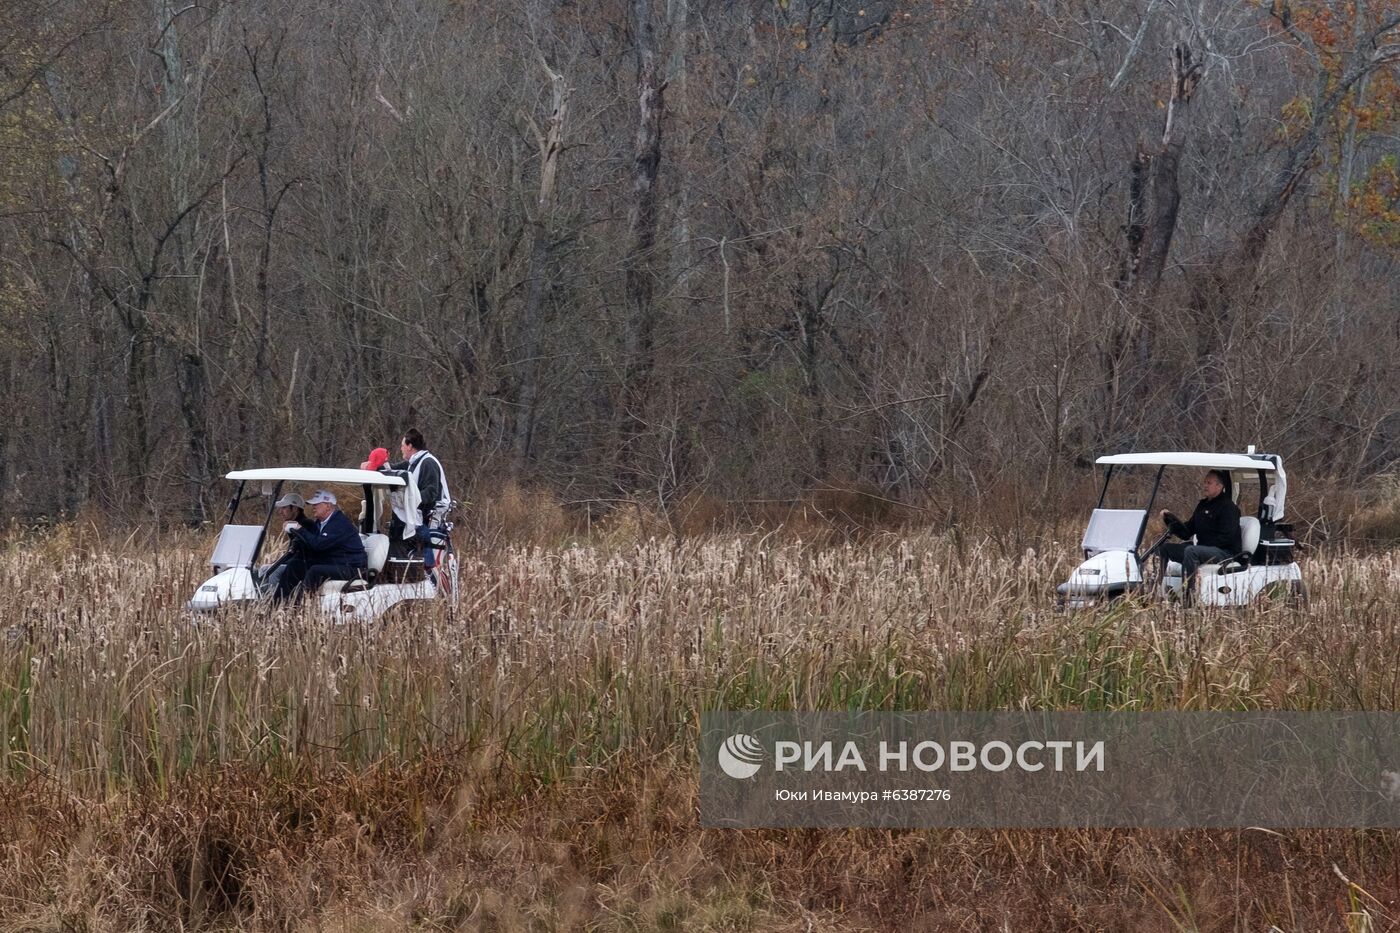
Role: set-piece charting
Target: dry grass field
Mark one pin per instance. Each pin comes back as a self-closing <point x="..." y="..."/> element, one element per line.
<point x="528" y="761"/>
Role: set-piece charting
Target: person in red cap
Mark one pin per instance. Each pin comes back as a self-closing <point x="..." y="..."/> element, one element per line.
<point x="425" y="472"/>
<point x="398" y="547"/>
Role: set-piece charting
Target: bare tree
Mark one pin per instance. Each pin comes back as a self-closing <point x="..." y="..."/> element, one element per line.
<point x="549" y="141"/>
<point x="637" y="249"/>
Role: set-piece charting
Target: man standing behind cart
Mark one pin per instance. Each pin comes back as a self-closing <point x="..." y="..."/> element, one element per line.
<point x="425" y="472"/>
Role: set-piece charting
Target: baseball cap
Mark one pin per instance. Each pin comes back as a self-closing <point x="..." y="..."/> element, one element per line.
<point x="322" y="495"/>
<point x="290" y="498"/>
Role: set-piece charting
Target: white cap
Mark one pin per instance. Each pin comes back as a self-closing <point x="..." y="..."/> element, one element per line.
<point x="322" y="495"/>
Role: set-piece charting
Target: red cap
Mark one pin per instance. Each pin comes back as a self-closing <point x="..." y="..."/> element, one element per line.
<point x="378" y="457"/>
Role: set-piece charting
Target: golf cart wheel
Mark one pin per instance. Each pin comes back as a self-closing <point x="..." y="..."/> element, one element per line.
<point x="1290" y="593"/>
<point x="1132" y="593"/>
<point x="1152" y="567"/>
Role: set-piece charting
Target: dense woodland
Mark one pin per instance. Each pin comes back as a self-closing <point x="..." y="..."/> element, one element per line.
<point x="639" y="249"/>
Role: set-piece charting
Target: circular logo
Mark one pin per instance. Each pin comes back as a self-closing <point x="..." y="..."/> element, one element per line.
<point x="740" y="756"/>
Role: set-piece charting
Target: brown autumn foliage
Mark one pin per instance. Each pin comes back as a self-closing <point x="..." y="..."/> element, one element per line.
<point x="650" y="251"/>
<point x="418" y="849"/>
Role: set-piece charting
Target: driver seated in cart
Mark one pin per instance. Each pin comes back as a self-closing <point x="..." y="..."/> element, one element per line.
<point x="289" y="508"/>
<point x="331" y="549"/>
<point x="1215" y="524"/>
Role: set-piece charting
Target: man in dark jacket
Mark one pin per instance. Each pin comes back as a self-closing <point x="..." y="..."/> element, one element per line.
<point x="287" y="509"/>
<point x="1216" y="525"/>
<point x="331" y="550"/>
<point x="424" y="470"/>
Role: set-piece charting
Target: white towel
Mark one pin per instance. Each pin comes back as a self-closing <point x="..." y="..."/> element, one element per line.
<point x="405" y="501"/>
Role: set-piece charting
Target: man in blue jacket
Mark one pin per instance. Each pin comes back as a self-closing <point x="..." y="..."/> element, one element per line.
<point x="329" y="550"/>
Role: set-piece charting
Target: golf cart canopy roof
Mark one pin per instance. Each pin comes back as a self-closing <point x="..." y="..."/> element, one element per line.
<point x="1189" y="458"/>
<point x="317" y="475"/>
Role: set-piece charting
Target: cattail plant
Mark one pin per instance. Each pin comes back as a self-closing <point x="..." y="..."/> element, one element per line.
<point x="244" y="746"/>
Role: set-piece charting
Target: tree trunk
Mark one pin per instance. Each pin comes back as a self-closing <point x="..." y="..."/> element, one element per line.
<point x="550" y="141"/>
<point x="194" y="399"/>
<point x="810" y="315"/>
<point x="138" y="433"/>
<point x="1164" y="189"/>
<point x="1348" y="158"/>
<point x="1154" y="204"/>
<point x="185" y="340"/>
<point x="640" y="285"/>
<point x="682" y="259"/>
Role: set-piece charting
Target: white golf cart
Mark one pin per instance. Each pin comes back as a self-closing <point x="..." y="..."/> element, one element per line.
<point x="1116" y="565"/>
<point x="239" y="578"/>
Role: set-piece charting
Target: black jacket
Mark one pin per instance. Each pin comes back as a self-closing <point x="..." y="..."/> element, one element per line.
<point x="1215" y="523"/>
<point x="429" y="481"/>
<point x="294" y="547"/>
<point x="337" y="543"/>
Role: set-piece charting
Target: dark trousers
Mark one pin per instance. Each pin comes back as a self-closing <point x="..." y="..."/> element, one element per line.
<point x="1191" y="557"/>
<point x="400" y="548"/>
<point x="320" y="573"/>
<point x="300" y="577"/>
<point x="293" y="569"/>
<point x="417" y="546"/>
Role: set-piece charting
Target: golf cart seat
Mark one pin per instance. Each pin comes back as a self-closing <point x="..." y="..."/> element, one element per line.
<point x="1249" y="535"/>
<point x="376" y="552"/>
<point x="1249" y="543"/>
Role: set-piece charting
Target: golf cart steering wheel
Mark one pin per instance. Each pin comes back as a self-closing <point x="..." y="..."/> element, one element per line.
<point x="1153" y="570"/>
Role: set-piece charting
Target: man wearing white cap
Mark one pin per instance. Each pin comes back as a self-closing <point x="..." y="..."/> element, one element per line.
<point x="329" y="550"/>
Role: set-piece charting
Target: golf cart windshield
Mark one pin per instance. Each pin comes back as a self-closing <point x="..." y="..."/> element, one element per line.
<point x="241" y="537"/>
<point x="1113" y="530"/>
<point x="237" y="546"/>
